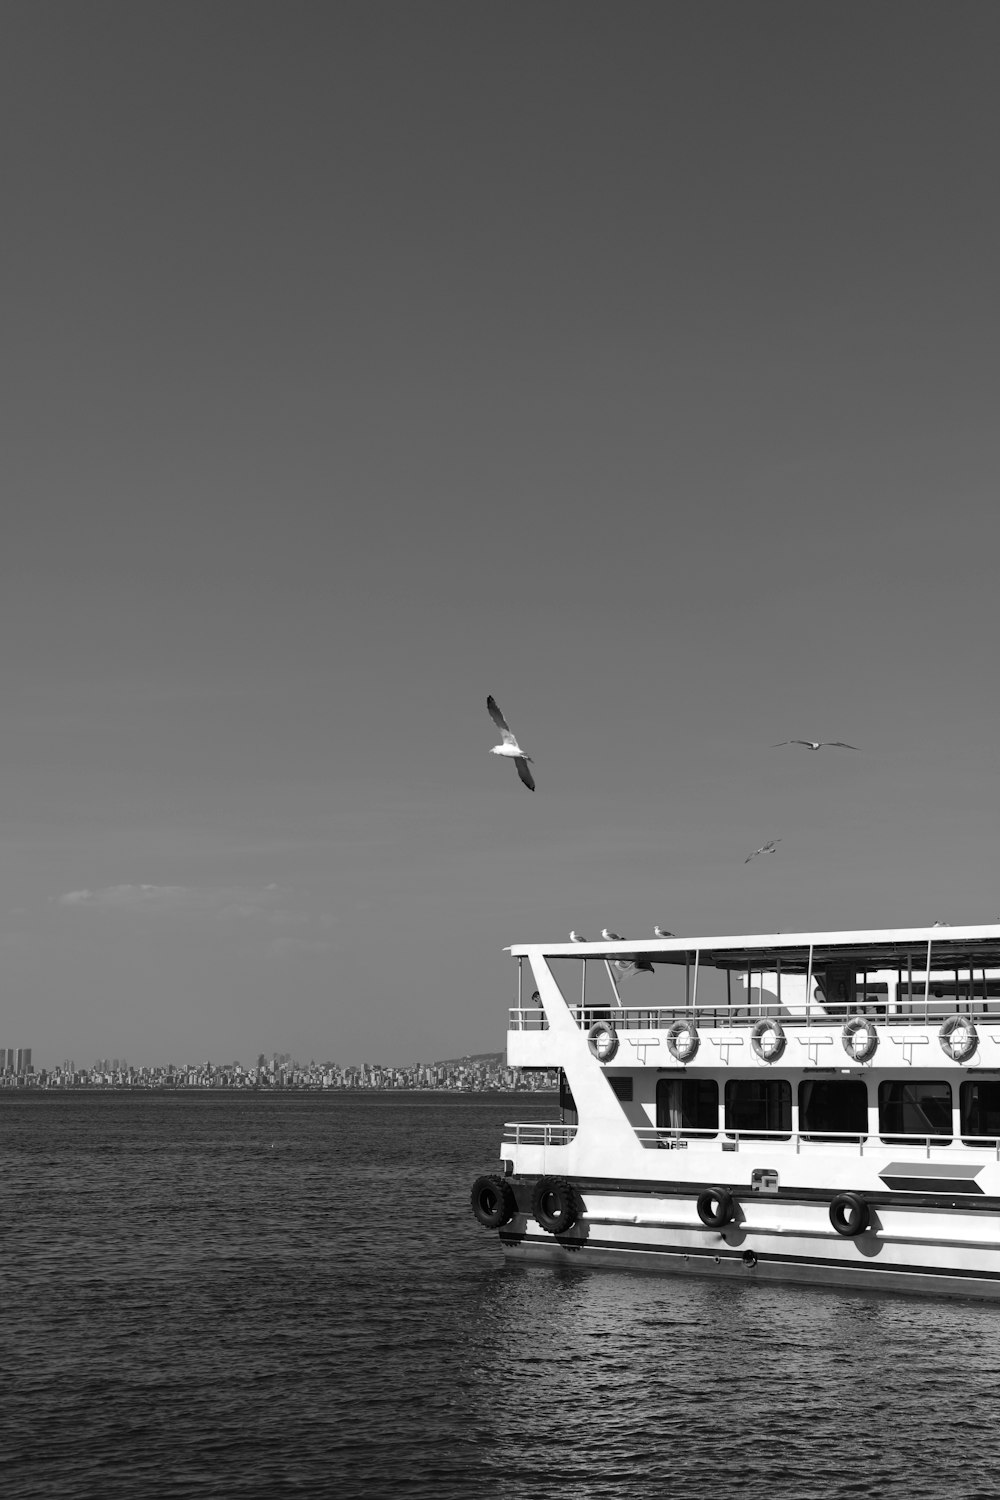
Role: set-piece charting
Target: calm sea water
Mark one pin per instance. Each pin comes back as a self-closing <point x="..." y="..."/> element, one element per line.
<point x="218" y="1295"/>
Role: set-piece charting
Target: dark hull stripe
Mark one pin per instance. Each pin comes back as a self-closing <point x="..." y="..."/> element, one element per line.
<point x="608" y="1187"/>
<point x="576" y="1252"/>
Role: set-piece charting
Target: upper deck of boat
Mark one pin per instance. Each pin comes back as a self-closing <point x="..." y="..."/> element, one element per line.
<point x="880" y="948"/>
<point x="895" y="974"/>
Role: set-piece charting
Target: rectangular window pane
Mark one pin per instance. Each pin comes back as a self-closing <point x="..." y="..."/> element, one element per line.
<point x="979" y="1102"/>
<point x="914" y="1108"/>
<point x="687" y="1106"/>
<point x="837" y="1105"/>
<point x="622" y="1089"/>
<point x="755" y="1105"/>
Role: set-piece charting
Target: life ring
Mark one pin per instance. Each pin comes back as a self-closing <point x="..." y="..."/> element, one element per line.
<point x="556" y="1204"/>
<point x="493" y="1201"/>
<point x="602" y="1039"/>
<point x="849" y="1215"/>
<point x="959" y="1038"/>
<point x="683" y="1050"/>
<point x="868" y="1047"/>
<point x="716" y="1207"/>
<point x="764" y="1027"/>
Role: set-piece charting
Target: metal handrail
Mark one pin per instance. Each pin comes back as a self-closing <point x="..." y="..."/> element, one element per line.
<point x="541" y="1133"/>
<point x="655" y="1135"/>
<point x="661" y="1017"/>
<point x="527" y="1018"/>
<point x="538" y="1133"/>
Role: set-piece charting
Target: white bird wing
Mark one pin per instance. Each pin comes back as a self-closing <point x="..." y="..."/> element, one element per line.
<point x="508" y="736"/>
<point x="524" y="771"/>
<point x="771" y="847"/>
<point x="841" y="745"/>
<point x="810" y="743"/>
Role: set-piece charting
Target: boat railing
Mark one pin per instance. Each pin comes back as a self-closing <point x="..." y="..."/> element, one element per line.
<point x="662" y="1017"/>
<point x="676" y="1138"/>
<point x="537" y="1133"/>
<point x="527" y="1018"/>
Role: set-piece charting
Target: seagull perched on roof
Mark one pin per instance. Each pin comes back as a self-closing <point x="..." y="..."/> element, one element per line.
<point x="769" y="848"/>
<point x="510" y="747"/>
<point x="611" y="937"/>
<point x="575" y="937"/>
<point x="817" y="744"/>
<point x="662" y="932"/>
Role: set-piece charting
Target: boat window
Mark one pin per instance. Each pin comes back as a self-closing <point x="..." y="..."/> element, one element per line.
<point x="873" y="999"/>
<point x="979" y="1102"/>
<point x="622" y="1089"/>
<point x="945" y="996"/>
<point x="835" y="1106"/>
<point x="687" y="1106"/>
<point x="754" y="1105"/>
<point x="566" y="1100"/>
<point x="914" y="1107"/>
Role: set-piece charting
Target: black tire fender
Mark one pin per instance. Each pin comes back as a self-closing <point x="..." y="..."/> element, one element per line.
<point x="493" y="1201"/>
<point x="716" y="1207"/>
<point x="849" y="1215"/>
<point x="556" y="1204"/>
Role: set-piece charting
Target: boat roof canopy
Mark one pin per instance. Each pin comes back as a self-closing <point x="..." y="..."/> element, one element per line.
<point x="890" y="948"/>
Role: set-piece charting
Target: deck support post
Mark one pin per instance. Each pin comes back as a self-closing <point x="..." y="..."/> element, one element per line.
<point x="809" y="987"/>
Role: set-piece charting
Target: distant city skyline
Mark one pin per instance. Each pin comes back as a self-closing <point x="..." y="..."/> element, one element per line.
<point x="19" y="1061"/>
<point x="469" y="1074"/>
<point x="633" y="365"/>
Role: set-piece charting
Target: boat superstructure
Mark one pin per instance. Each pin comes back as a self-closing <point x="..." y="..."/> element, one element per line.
<point x="811" y="1107"/>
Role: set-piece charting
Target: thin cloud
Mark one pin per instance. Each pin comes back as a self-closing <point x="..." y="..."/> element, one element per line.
<point x="129" y="898"/>
<point x="268" y="904"/>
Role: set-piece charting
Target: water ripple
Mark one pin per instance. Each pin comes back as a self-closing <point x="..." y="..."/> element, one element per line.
<point x="286" y="1295"/>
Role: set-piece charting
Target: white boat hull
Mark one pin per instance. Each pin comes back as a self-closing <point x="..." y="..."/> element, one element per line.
<point x="937" y="1252"/>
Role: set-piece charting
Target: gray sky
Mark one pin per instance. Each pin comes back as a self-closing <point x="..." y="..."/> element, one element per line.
<point x="636" y="363"/>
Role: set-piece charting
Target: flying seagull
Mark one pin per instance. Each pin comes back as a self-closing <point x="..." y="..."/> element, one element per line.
<point x="510" y="747"/>
<point x="817" y="744"/>
<point x="769" y="848"/>
<point x="662" y="932"/>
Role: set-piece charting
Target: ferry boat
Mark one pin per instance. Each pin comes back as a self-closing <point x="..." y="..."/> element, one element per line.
<point x="811" y="1107"/>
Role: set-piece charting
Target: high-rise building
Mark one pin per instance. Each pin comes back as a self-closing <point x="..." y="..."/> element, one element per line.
<point x="23" y="1064"/>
